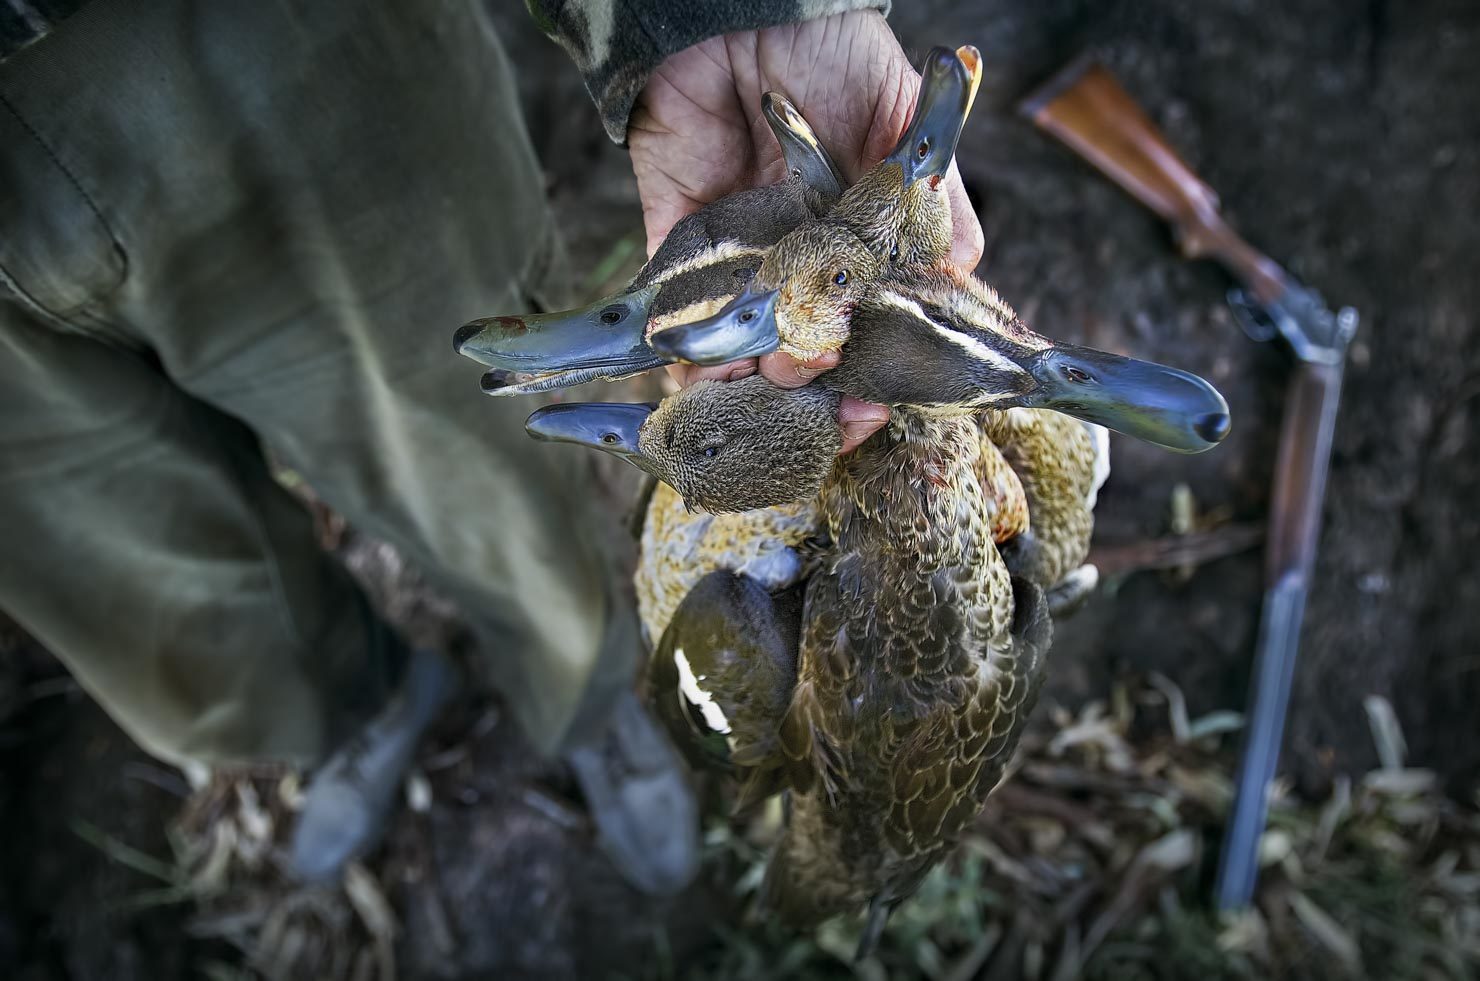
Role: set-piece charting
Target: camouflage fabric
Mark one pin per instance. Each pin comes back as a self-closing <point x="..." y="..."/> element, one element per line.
<point x="617" y="43"/>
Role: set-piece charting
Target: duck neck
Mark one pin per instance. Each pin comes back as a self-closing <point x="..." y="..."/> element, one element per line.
<point x="911" y="492"/>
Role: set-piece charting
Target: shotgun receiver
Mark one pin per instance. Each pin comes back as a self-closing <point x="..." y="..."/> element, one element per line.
<point x="1086" y="108"/>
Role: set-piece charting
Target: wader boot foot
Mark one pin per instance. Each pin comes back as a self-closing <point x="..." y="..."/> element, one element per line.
<point x="349" y="802"/>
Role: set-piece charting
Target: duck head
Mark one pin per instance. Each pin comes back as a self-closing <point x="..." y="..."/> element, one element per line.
<point x="900" y="207"/>
<point x="541" y="351"/>
<point x="683" y="280"/>
<point x="806" y="160"/>
<point x="724" y="447"/>
<point x="945" y="347"/>
<point x="801" y="301"/>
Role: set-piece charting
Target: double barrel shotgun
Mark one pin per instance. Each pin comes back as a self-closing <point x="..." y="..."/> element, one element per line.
<point x="1086" y="108"/>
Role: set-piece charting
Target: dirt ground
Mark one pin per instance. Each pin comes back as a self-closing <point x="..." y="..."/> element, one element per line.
<point x="1343" y="139"/>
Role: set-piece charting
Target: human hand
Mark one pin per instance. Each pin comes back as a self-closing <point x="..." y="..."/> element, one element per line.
<point x="697" y="133"/>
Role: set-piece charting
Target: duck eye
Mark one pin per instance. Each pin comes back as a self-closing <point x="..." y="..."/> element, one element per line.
<point x="1077" y="374"/>
<point x="610" y="438"/>
<point x="746" y="316"/>
<point x="841" y="278"/>
<point x="796" y="171"/>
<point x="612" y="315"/>
<point x="710" y="452"/>
<point x="894" y="250"/>
<point x="923" y="149"/>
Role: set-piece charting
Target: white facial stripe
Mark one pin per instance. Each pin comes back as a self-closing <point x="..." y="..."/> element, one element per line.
<point x="714" y="716"/>
<point x="698" y="310"/>
<point x="979" y="303"/>
<point x="966" y="342"/>
<point x="722" y="252"/>
<point x="900" y="302"/>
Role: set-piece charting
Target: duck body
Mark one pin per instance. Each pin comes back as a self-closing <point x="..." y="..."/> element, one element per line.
<point x="722" y="676"/>
<point x="719" y="598"/>
<point x="919" y="658"/>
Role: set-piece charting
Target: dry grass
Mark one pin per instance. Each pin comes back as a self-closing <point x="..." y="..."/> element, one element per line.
<point x="1092" y="861"/>
<point x="1095" y="860"/>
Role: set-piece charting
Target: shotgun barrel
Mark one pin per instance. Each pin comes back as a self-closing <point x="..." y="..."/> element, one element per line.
<point x="1086" y="108"/>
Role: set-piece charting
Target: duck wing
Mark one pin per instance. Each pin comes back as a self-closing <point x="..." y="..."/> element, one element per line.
<point x="1002" y="489"/>
<point x="815" y="733"/>
<point x="1061" y="465"/>
<point x="723" y="674"/>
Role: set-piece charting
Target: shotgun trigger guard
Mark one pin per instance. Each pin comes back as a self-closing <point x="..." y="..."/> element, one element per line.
<point x="1302" y="318"/>
<point x="1250" y="316"/>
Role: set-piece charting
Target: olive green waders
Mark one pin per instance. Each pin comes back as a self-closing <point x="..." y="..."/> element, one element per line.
<point x="221" y="222"/>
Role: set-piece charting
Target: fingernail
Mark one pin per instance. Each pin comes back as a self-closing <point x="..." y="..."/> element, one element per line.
<point x="860" y="428"/>
<point x="809" y="373"/>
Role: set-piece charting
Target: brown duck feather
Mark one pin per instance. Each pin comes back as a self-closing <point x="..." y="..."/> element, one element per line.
<point x="919" y="659"/>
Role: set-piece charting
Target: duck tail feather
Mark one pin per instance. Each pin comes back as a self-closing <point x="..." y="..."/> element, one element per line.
<point x="760" y="785"/>
<point x="787" y="895"/>
<point x="879" y="909"/>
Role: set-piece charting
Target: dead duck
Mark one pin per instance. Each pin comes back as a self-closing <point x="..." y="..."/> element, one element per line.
<point x="741" y="648"/>
<point x="919" y="654"/>
<point x="705" y="261"/>
<point x="737" y="516"/>
<point x="741" y="542"/>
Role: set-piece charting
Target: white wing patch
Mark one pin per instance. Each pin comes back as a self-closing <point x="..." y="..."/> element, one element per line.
<point x="1100" y="437"/>
<point x="714" y="716"/>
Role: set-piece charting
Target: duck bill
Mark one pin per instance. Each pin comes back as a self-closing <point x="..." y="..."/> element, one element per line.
<point x="1171" y="408"/>
<point x="539" y="352"/>
<point x="744" y="328"/>
<point x="948" y="84"/>
<point x="612" y="427"/>
<point x="805" y="157"/>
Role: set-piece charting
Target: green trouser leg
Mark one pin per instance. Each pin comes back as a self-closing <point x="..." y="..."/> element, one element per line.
<point x="146" y="543"/>
<point x="227" y="221"/>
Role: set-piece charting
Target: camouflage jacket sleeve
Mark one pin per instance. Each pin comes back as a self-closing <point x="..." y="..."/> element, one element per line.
<point x="617" y="43"/>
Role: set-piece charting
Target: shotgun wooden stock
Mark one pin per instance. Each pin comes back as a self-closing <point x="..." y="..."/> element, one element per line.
<point x="1086" y="108"/>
